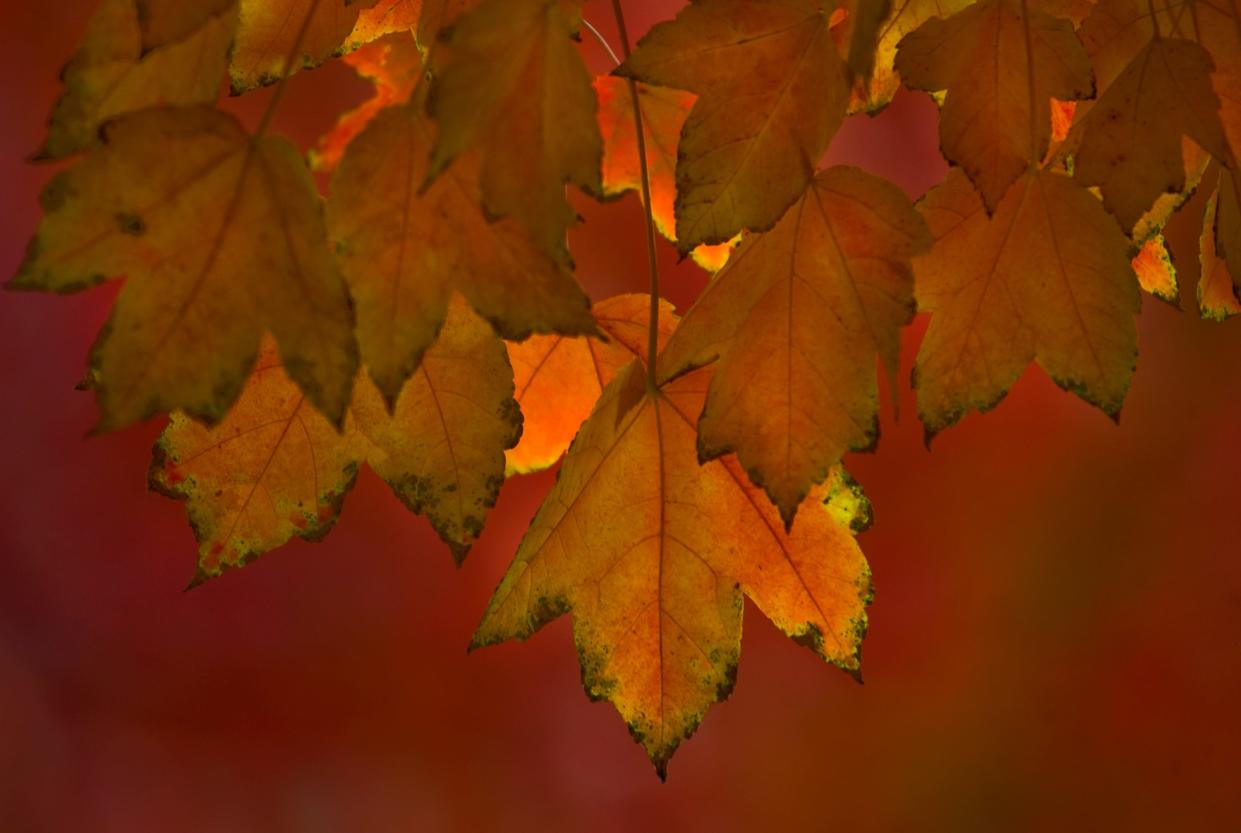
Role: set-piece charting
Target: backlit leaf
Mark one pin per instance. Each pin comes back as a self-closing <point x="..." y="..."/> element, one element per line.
<point x="274" y="468"/>
<point x="515" y="89"/>
<point x="113" y="73"/>
<point x="871" y="93"/>
<point x="1131" y="139"/>
<point x="663" y="114"/>
<point x="279" y="37"/>
<point x="220" y="238"/>
<point x="404" y="251"/>
<point x="386" y="17"/>
<point x="1156" y="274"/>
<point x="653" y="555"/>
<point x="393" y="64"/>
<point x="1047" y="278"/>
<point x="1217" y="286"/>
<point x="558" y="379"/>
<point x="771" y="94"/>
<point x="800" y="319"/>
<point x="1000" y="67"/>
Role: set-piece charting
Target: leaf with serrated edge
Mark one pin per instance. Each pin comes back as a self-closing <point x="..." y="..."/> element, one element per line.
<point x="558" y="379"/>
<point x="653" y="554"/>
<point x="1156" y="274"/>
<point x="515" y="89"/>
<point x="663" y="114"/>
<point x="1131" y="139"/>
<point x="274" y="468"/>
<point x="270" y="30"/>
<point x="799" y="320"/>
<point x="771" y="94"/>
<point x="1046" y="278"/>
<point x="404" y="251"/>
<point x="996" y="117"/>
<point x="386" y="17"/>
<point x="1217" y="289"/>
<point x="873" y="92"/>
<point x="220" y="237"/>
<point x="112" y="73"/>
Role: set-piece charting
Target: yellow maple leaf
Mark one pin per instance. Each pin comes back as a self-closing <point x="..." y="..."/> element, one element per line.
<point x="274" y="468"/>
<point x="653" y="555"/>
<point x="514" y="88"/>
<point x="220" y="237"/>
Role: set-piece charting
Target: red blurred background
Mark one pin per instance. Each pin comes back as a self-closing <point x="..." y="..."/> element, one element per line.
<point x="1053" y="644"/>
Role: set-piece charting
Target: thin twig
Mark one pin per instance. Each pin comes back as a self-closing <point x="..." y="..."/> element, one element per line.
<point x="652" y="260"/>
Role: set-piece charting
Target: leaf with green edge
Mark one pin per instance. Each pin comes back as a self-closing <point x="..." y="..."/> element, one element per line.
<point x="405" y="250"/>
<point x="220" y="237"/>
<point x="1001" y="63"/>
<point x="1047" y="278"/>
<point x="653" y="555"/>
<point x="799" y="321"/>
<point x="274" y="468"/>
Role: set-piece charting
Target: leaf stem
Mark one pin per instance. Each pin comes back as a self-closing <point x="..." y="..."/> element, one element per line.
<point x="285" y="72"/>
<point x="652" y="261"/>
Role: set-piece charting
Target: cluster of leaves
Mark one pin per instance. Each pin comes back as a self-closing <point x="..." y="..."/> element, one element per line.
<point x="293" y="337"/>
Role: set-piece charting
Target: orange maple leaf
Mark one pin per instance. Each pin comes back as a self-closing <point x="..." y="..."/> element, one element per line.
<point x="220" y="237"/>
<point x="1000" y="65"/>
<point x="404" y="251"/>
<point x="123" y="65"/>
<point x="663" y="115"/>
<point x="771" y="94"/>
<point x="653" y="554"/>
<point x="558" y="378"/>
<point x="276" y="38"/>
<point x="1046" y="278"/>
<point x="799" y="319"/>
<point x="274" y="468"/>
<point x="514" y="88"/>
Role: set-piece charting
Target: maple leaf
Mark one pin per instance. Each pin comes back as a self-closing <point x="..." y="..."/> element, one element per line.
<point x="394" y="65"/>
<point x="874" y="89"/>
<point x="663" y="114"/>
<point x="771" y="94"/>
<point x="115" y="71"/>
<point x="404" y="251"/>
<point x="1119" y="34"/>
<point x="515" y="89"/>
<point x="559" y="379"/>
<point x="276" y="38"/>
<point x="798" y="319"/>
<point x="1046" y="278"/>
<point x="1000" y="67"/>
<point x="1131" y="138"/>
<point x="653" y="554"/>
<point x="274" y="468"/>
<point x="220" y="237"/>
